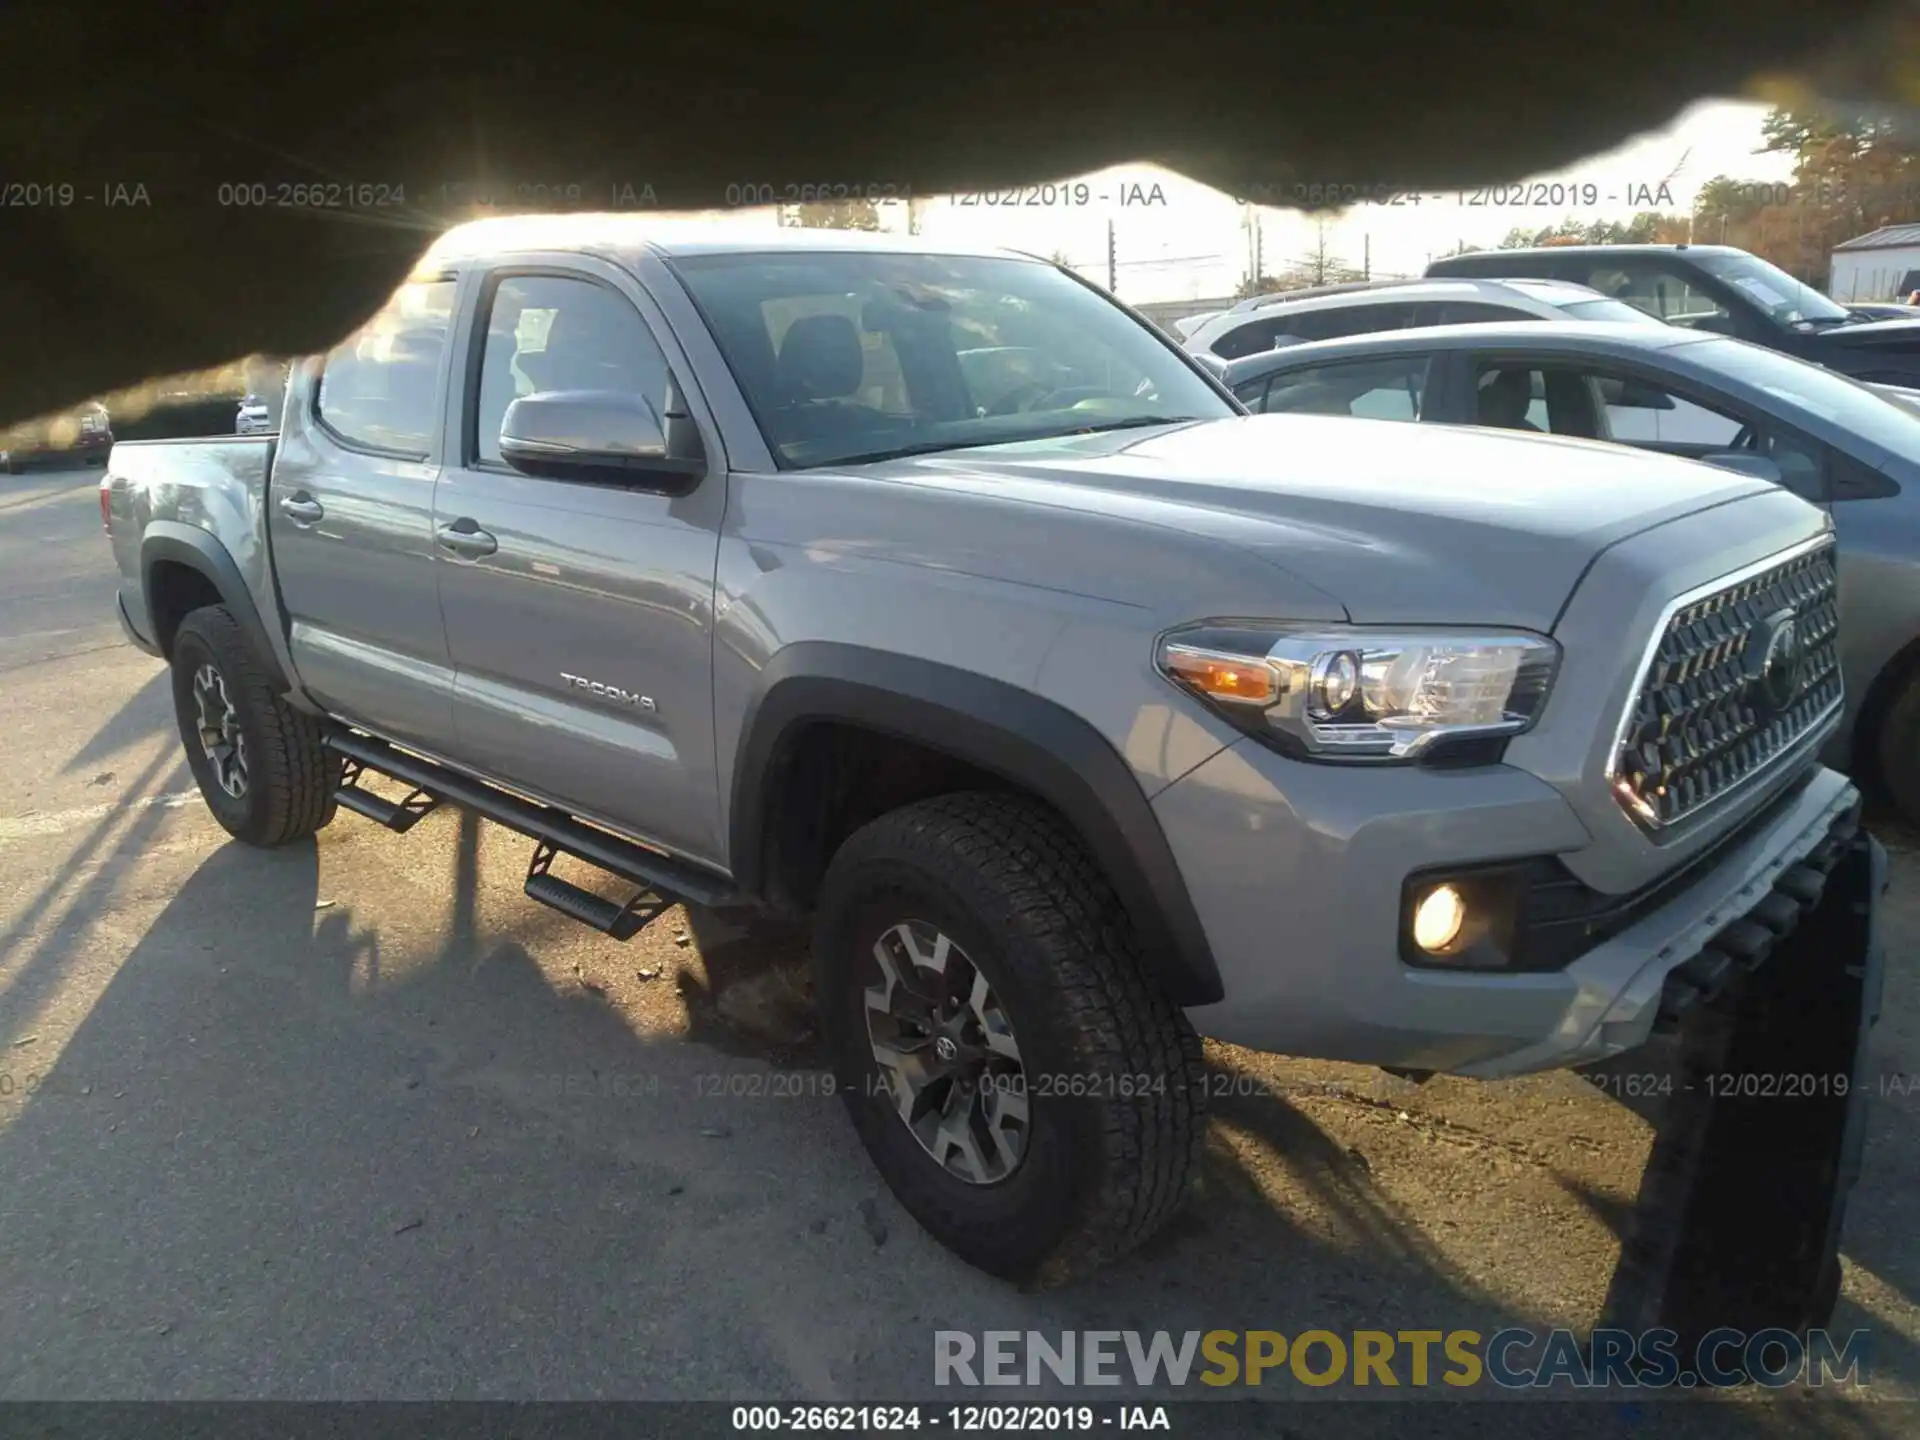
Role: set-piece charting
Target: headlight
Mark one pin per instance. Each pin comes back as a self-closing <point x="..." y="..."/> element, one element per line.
<point x="1361" y="693"/>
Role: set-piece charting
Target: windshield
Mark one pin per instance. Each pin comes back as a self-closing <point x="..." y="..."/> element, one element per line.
<point x="1617" y="311"/>
<point x="1773" y="290"/>
<point x="1866" y="411"/>
<point x="866" y="356"/>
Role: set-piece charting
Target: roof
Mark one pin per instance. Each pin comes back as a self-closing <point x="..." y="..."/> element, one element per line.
<point x="1887" y="237"/>
<point x="1595" y="250"/>
<point x="1439" y="287"/>
<point x="1589" y="335"/>
<point x="629" y="233"/>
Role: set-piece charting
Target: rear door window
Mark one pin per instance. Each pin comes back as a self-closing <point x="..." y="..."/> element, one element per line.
<point x="1249" y="339"/>
<point x="380" y="387"/>
<point x="1338" y="320"/>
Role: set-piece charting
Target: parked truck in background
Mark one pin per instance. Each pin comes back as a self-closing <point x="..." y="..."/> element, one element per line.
<point x="1721" y="289"/>
<point x="1080" y="713"/>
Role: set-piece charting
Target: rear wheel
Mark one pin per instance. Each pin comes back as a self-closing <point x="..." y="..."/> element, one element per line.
<point x="259" y="763"/>
<point x="1024" y="1087"/>
<point x="1897" y="750"/>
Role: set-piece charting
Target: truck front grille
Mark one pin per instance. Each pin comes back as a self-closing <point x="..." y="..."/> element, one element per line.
<point x="1739" y="675"/>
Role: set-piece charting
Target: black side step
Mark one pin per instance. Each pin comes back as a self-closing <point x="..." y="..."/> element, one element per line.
<point x="622" y="922"/>
<point x="398" y="817"/>
<point x="668" y="878"/>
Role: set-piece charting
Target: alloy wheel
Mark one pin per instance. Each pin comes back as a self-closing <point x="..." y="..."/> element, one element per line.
<point x="947" y="1053"/>
<point x="218" y="724"/>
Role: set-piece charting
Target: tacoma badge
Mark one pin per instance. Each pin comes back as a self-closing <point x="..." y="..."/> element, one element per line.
<point x="608" y="692"/>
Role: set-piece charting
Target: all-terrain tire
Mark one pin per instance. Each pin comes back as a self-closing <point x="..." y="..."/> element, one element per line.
<point x="290" y="777"/>
<point x="1114" y="1078"/>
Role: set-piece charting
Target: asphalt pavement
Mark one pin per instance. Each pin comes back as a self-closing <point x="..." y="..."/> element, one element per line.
<point x="357" y="1120"/>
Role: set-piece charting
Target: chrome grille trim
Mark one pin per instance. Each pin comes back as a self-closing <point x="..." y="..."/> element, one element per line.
<point x="1691" y="732"/>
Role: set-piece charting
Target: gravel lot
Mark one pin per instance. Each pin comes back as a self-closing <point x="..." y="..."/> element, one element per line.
<point x="359" y="1120"/>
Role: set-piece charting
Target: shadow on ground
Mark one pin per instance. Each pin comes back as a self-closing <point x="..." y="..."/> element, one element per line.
<point x="281" y="1158"/>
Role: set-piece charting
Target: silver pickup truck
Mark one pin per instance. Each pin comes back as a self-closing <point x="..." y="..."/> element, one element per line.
<point x="940" y="600"/>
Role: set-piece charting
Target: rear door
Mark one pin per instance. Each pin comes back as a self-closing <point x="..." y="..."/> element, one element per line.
<point x="350" y="512"/>
<point x="579" y="614"/>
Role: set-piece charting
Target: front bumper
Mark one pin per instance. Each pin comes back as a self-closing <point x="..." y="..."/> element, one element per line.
<point x="1296" y="871"/>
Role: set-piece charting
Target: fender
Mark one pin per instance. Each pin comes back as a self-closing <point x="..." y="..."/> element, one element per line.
<point x="197" y="550"/>
<point x="1030" y="741"/>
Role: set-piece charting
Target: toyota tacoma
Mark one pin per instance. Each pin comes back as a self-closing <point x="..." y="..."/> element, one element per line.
<point x="1081" y="713"/>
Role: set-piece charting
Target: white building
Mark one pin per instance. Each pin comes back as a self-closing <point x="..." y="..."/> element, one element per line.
<point x="1883" y="264"/>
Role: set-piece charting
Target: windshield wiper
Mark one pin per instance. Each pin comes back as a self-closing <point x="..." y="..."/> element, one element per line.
<point x="925" y="447"/>
<point x="934" y="447"/>
<point x="1132" y="422"/>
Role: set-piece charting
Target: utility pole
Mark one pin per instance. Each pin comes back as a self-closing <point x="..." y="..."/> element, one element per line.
<point x="1259" y="250"/>
<point x="1366" y="256"/>
<point x="1113" y="267"/>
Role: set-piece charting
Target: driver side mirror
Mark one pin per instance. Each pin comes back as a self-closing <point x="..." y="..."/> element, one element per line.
<point x="601" y="436"/>
<point x="1745" y="462"/>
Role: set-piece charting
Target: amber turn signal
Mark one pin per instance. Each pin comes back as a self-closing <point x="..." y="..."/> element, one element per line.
<point x="1232" y="678"/>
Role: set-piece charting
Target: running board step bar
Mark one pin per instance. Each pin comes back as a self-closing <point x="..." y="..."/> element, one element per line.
<point x="622" y="922"/>
<point x="662" y="878"/>
<point x="398" y="817"/>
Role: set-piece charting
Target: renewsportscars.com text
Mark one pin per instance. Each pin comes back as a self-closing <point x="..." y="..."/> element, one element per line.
<point x="1512" y="1358"/>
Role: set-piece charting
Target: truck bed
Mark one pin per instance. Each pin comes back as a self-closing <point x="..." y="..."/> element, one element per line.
<point x="213" y="485"/>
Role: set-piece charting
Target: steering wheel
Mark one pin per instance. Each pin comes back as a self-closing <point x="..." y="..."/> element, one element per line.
<point x="1745" y="439"/>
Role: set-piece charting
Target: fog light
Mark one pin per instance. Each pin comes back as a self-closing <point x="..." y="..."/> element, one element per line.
<point x="1438" y="918"/>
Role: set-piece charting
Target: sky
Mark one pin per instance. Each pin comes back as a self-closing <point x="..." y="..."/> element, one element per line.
<point x="1190" y="241"/>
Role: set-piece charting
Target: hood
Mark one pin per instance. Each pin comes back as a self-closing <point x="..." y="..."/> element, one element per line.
<point x="1897" y="335"/>
<point x="1401" y="523"/>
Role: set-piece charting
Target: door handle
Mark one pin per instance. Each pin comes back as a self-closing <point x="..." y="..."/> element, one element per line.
<point x="301" y="508"/>
<point x="465" y="538"/>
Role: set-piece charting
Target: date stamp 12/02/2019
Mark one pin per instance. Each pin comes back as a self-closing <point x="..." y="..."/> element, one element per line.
<point x="1752" y="1084"/>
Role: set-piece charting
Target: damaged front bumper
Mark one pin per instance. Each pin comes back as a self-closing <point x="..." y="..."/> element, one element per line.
<point x="1756" y="1078"/>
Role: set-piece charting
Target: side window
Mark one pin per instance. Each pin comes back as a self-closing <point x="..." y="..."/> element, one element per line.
<point x="1335" y="321"/>
<point x="1511" y="397"/>
<point x="379" y="387"/>
<point x="554" y="332"/>
<point x="1370" y="389"/>
<point x="1851" y="479"/>
<point x="1249" y="339"/>
<point x="1662" y="292"/>
<point x="1690" y="424"/>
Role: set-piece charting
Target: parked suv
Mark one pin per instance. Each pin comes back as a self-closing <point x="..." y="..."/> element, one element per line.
<point x="938" y="600"/>
<point x="1329" y="311"/>
<point x="1721" y="289"/>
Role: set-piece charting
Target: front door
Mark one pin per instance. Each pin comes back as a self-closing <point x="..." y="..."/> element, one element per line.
<point x="1588" y="399"/>
<point x="350" y="515"/>
<point x="579" y="615"/>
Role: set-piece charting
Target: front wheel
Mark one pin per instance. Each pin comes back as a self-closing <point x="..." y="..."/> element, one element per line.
<point x="259" y="763"/>
<point x="1026" y="1090"/>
